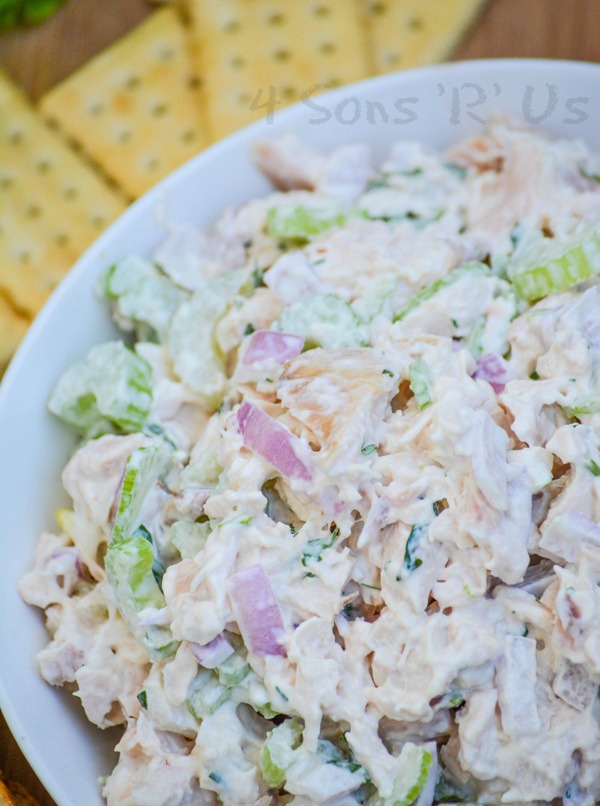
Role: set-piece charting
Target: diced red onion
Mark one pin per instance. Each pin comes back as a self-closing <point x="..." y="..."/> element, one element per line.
<point x="114" y="507"/>
<point x="270" y="344"/>
<point x="68" y="556"/>
<point x="256" y="611"/>
<point x="493" y="369"/>
<point x="273" y="441"/>
<point x="214" y="653"/>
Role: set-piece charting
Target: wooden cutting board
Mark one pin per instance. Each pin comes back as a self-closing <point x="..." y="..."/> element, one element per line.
<point x="40" y="57"/>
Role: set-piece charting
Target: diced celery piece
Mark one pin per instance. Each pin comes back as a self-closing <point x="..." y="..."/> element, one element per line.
<point x="294" y="222"/>
<point x="109" y="390"/>
<point x="324" y="320"/>
<point x="414" y="763"/>
<point x="206" y="694"/>
<point x="190" y="538"/>
<point x="204" y="471"/>
<point x="583" y="406"/>
<point x="421" y="381"/>
<point x="128" y="564"/>
<point x="233" y="671"/>
<point x="438" y="285"/>
<point x="142" y="294"/>
<point x="277" y="753"/>
<point x="377" y="300"/>
<point x="142" y="471"/>
<point x="556" y="264"/>
<point x="191" y="341"/>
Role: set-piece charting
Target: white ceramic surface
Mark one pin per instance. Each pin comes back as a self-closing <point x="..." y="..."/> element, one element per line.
<point x="438" y="105"/>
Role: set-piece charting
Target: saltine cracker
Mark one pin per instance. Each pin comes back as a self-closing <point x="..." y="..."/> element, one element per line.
<point x="256" y="56"/>
<point x="135" y="109"/>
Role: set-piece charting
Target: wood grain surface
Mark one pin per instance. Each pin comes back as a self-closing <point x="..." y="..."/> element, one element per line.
<point x="40" y="57"/>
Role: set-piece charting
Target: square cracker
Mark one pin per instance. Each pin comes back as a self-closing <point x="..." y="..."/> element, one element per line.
<point x="12" y="329"/>
<point x="411" y="33"/>
<point x="52" y="205"/>
<point x="135" y="109"/>
<point x="256" y="56"/>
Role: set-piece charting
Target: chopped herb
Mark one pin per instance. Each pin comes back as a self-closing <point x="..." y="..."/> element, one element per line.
<point x="410" y="172"/>
<point x="534" y="376"/>
<point x="214" y="776"/>
<point x="249" y="329"/>
<point x="268" y="380"/>
<point x="367" y="449"/>
<point x="593" y="467"/>
<point x="143" y="699"/>
<point x="257" y="277"/>
<point x="468" y="591"/>
<point x="318" y="262"/>
<point x="456" y="169"/>
<point x="539" y="601"/>
<point x="455" y="323"/>
<point x="439" y="506"/>
<point x="387" y="372"/>
<point x="293" y="529"/>
<point x="525" y="632"/>
<point x="281" y="694"/>
<point x="589" y="175"/>
<point x="315" y="548"/>
<point x="456" y="698"/>
<point x="246" y="521"/>
<point x="411" y="561"/>
<point x="348" y="611"/>
<point x="370" y="587"/>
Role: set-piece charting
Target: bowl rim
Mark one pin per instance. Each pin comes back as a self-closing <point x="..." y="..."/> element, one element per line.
<point x="284" y="118"/>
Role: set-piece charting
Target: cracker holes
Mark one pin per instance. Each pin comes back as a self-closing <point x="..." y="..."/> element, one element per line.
<point x="62" y="239"/>
<point x="416" y="24"/>
<point x="96" y="109"/>
<point x="282" y="55"/>
<point x="275" y="19"/>
<point x="24" y="256"/>
<point x="33" y="211"/>
<point x="132" y="83"/>
<point x="377" y="9"/>
<point x="43" y="166"/>
<point x="327" y="48"/>
<point x="188" y="136"/>
<point x="166" y="54"/>
<point x="289" y="93"/>
<point x="123" y="137"/>
<point x="231" y="26"/>
<point x="15" y="137"/>
<point x="194" y="83"/>
<point x="6" y="182"/>
<point x="390" y="59"/>
<point x="151" y="164"/>
<point x="321" y="11"/>
<point x="159" y="110"/>
<point x="244" y="99"/>
<point x="238" y="62"/>
<point x="97" y="220"/>
<point x="69" y="193"/>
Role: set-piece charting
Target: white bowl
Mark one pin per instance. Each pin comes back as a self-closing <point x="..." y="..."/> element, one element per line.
<point x="438" y="105"/>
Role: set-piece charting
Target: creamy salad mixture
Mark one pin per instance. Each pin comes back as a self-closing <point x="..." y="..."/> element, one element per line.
<point x="334" y="534"/>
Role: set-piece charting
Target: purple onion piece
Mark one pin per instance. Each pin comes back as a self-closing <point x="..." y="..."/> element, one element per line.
<point x="270" y="344"/>
<point x="257" y="612"/>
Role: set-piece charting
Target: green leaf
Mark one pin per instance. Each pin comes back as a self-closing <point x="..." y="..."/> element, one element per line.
<point x="324" y="320"/>
<point x="438" y="285"/>
<point x="551" y="265"/>
<point x="421" y="381"/>
<point x="109" y="390"/>
<point x="313" y="551"/>
<point x="36" y="11"/>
